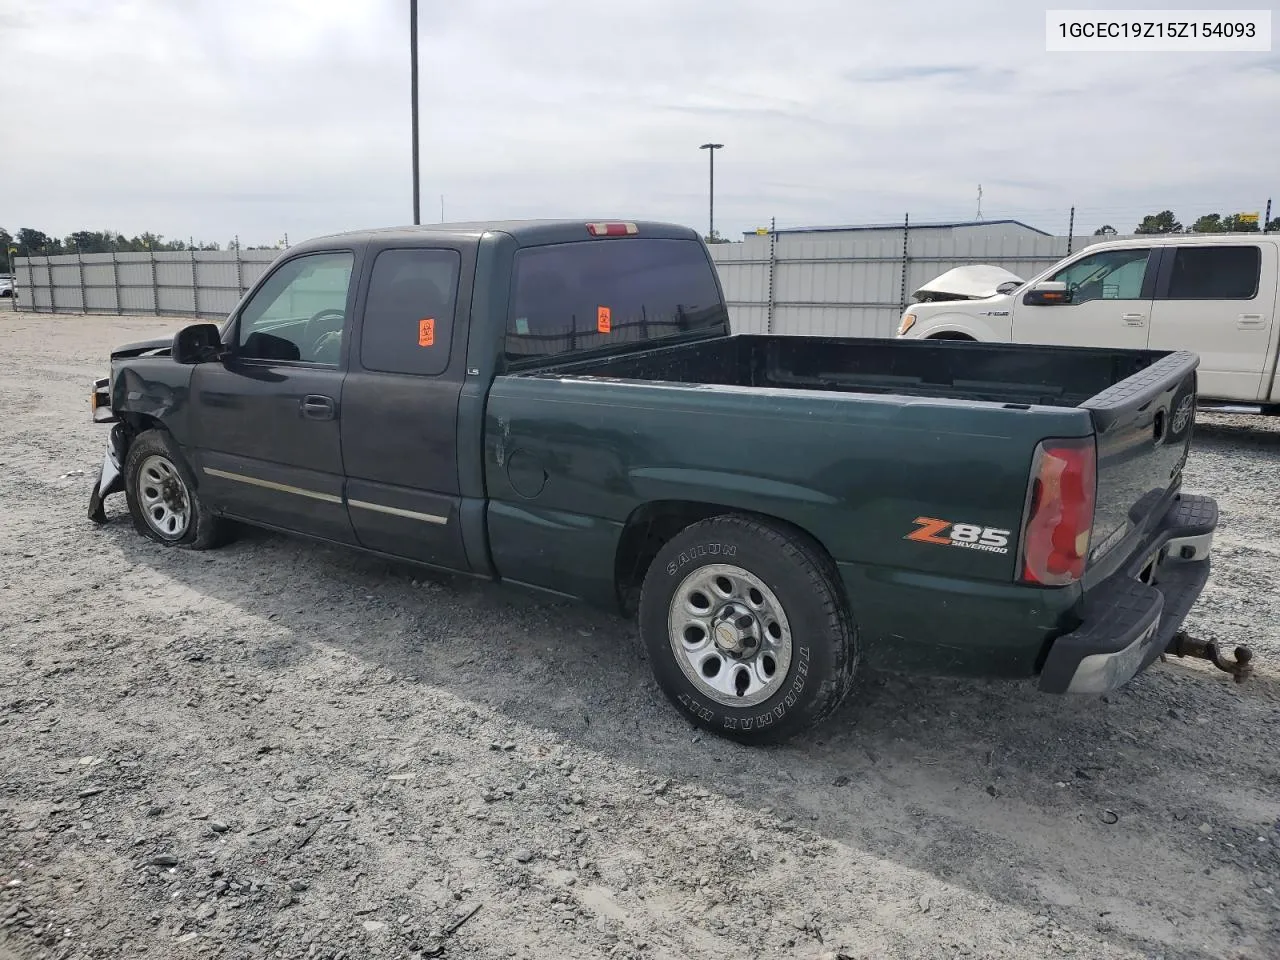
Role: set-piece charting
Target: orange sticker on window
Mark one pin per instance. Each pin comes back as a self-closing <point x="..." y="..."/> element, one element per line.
<point x="426" y="332"/>
<point x="603" y="315"/>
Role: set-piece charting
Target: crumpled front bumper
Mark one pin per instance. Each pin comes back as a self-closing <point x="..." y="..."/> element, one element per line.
<point x="1131" y="618"/>
<point x="111" y="473"/>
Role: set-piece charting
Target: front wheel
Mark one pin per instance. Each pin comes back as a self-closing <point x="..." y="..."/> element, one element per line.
<point x="161" y="492"/>
<point x="747" y="629"/>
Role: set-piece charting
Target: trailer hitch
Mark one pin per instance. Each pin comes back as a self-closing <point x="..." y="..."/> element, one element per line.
<point x="1241" y="668"/>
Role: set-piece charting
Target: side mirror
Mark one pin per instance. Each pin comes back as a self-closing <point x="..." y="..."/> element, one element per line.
<point x="1048" y="293"/>
<point x="197" y="343"/>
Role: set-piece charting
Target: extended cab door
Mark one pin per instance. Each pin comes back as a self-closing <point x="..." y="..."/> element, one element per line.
<point x="1108" y="302"/>
<point x="265" y="420"/>
<point x="1219" y="300"/>
<point x="399" y="432"/>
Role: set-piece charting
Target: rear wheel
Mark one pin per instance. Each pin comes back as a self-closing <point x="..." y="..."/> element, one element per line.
<point x="161" y="492"/>
<point x="747" y="630"/>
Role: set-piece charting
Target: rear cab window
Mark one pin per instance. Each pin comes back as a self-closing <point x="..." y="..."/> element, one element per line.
<point x="569" y="298"/>
<point x="1215" y="273"/>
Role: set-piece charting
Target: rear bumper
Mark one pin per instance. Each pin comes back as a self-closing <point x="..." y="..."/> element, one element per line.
<point x="1130" y="619"/>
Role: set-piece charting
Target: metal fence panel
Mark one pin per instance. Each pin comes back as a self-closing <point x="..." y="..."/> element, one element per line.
<point x="133" y="274"/>
<point x="138" y="299"/>
<point x="98" y="275"/>
<point x="176" y="299"/>
<point x="844" y="285"/>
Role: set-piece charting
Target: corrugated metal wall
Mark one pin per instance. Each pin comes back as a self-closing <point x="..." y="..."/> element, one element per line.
<point x="850" y="285"/>
<point x="857" y="286"/>
<point x="201" y="283"/>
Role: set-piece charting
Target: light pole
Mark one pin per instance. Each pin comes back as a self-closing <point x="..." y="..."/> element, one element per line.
<point x="413" y="101"/>
<point x="711" y="149"/>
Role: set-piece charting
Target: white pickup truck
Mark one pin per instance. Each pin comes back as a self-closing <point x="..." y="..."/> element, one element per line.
<point x="1214" y="295"/>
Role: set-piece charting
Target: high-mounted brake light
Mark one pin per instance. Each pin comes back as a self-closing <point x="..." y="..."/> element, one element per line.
<point x="1055" y="538"/>
<point x="612" y="229"/>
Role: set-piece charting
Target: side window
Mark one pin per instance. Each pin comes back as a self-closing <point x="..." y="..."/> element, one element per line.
<point x="1215" y="273"/>
<point x="299" y="313"/>
<point x="1108" y="275"/>
<point x="408" y="318"/>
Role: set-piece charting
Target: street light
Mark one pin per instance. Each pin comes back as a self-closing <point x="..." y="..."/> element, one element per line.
<point x="413" y="101"/>
<point x="711" y="149"/>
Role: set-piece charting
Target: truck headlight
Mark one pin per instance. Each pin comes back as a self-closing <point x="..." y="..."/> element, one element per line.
<point x="908" y="321"/>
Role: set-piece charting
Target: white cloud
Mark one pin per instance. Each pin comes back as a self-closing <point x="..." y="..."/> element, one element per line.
<point x="260" y="117"/>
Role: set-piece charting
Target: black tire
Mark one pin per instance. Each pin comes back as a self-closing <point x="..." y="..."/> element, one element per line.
<point x="203" y="530"/>
<point x="823" y="653"/>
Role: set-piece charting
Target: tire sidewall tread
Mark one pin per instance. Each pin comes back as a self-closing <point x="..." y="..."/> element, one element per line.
<point x="205" y="530"/>
<point x="825" y="651"/>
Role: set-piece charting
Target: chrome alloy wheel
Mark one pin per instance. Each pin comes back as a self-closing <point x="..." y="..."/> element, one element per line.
<point x="730" y="635"/>
<point x="164" y="498"/>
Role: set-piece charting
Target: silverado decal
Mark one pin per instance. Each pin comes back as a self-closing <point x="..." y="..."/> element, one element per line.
<point x="970" y="536"/>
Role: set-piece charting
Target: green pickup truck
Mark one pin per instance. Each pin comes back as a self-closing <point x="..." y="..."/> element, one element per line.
<point x="562" y="405"/>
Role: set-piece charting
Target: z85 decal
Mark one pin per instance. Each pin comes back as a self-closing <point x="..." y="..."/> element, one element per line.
<point x="970" y="536"/>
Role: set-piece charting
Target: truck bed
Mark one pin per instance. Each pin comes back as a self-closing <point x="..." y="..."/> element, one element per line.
<point x="999" y="373"/>
<point x="851" y="439"/>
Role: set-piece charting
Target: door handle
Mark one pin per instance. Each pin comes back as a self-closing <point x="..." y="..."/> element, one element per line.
<point x="1250" y="320"/>
<point x="316" y="407"/>
<point x="1135" y="319"/>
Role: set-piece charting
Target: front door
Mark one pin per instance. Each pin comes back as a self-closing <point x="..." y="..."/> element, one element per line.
<point x="266" y="420"/>
<point x="1219" y="301"/>
<point x="1109" y="303"/>
<point x="399" y="433"/>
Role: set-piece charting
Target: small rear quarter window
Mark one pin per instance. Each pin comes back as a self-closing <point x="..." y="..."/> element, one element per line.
<point x="408" y="315"/>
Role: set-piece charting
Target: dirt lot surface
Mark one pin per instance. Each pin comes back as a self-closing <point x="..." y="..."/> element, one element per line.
<point x="283" y="750"/>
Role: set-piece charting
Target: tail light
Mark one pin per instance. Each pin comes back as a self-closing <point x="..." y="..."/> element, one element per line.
<point x="1055" y="537"/>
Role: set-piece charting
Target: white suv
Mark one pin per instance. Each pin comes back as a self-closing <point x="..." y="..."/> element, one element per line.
<point x="1215" y="295"/>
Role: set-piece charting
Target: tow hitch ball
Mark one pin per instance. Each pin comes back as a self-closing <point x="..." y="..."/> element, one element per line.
<point x="1241" y="668"/>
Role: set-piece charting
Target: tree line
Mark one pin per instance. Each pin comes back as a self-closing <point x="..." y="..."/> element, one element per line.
<point x="30" y="242"/>
<point x="1166" y="222"/>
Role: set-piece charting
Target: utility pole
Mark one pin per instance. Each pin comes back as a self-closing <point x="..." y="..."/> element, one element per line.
<point x="711" y="149"/>
<point x="413" y="101"/>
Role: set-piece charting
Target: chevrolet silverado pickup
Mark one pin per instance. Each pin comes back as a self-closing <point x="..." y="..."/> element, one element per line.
<point x="563" y="406"/>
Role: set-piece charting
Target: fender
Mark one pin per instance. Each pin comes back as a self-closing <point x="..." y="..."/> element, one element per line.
<point x="976" y="327"/>
<point x="153" y="389"/>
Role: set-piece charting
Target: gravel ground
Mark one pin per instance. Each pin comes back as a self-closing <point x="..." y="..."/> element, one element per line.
<point x="282" y="750"/>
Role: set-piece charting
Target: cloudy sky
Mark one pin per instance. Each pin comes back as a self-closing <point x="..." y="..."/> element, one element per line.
<point x="264" y="117"/>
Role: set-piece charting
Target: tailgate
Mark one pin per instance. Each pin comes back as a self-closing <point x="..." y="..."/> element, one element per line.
<point x="1144" y="425"/>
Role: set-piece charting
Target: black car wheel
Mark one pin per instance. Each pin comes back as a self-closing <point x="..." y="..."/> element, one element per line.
<point x="162" y="495"/>
<point x="747" y="628"/>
